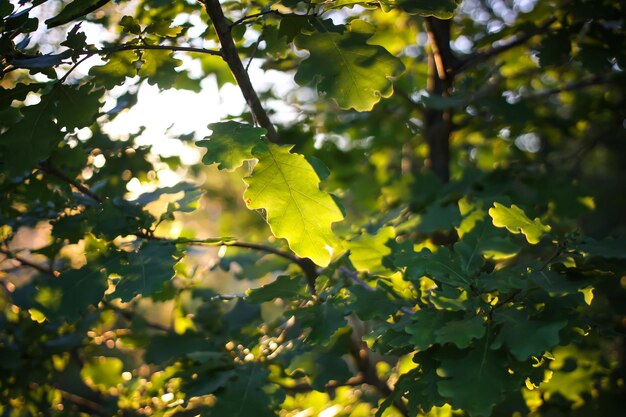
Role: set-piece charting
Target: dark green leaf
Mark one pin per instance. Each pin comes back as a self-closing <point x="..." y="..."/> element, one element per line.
<point x="285" y="287"/>
<point x="143" y="272"/>
<point x="230" y="144"/>
<point x="75" y="10"/>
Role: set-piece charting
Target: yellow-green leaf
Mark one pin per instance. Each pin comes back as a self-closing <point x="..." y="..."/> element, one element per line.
<point x="516" y="221"/>
<point x="286" y="186"/>
<point x="367" y="251"/>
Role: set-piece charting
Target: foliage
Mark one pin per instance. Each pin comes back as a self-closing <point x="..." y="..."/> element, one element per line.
<point x="420" y="214"/>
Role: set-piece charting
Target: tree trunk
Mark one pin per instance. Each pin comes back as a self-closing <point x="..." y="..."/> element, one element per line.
<point x="438" y="123"/>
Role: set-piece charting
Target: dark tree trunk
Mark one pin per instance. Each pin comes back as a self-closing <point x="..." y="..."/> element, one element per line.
<point x="438" y="123"/>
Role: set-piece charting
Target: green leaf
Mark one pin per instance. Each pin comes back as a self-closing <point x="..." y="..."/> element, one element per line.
<point x="119" y="218"/>
<point x="371" y="304"/>
<point x="286" y="186"/>
<point x="555" y="48"/>
<point x="31" y="139"/>
<point x="19" y="92"/>
<point x="161" y="27"/>
<point x="285" y="287"/>
<point x="440" y="266"/>
<point x="423" y="325"/>
<point x="230" y="144"/>
<point x="347" y="68"/>
<point x="475" y="382"/>
<point x="159" y="67"/>
<point x="324" y="319"/>
<point x="118" y="66"/>
<point x="163" y="348"/>
<point x="103" y="372"/>
<point x="72" y="228"/>
<point x="73" y="291"/>
<point x="483" y="241"/>
<point x="611" y="248"/>
<point x="525" y="338"/>
<point x="77" y="107"/>
<point x="367" y="251"/>
<point x="439" y="217"/>
<point x="461" y="332"/>
<point x="143" y="272"/>
<point x="248" y="394"/>
<point x="130" y="25"/>
<point x="41" y="61"/>
<point x="187" y="203"/>
<point x="74" y="10"/>
<point x="442" y="9"/>
<point x="516" y="221"/>
<point x="321" y="367"/>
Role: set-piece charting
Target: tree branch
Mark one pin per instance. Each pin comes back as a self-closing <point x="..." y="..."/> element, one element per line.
<point x="478" y="57"/>
<point x="370" y="377"/>
<point x="51" y="169"/>
<point x="174" y="48"/>
<point x="229" y="54"/>
<point x="81" y="402"/>
<point x="306" y="265"/>
<point x="25" y="262"/>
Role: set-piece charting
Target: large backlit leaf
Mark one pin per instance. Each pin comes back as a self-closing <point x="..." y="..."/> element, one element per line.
<point x="286" y="186"/>
<point x="347" y="68"/>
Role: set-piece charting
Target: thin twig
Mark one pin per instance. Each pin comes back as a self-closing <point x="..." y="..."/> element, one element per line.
<point x="230" y="55"/>
<point x="331" y="385"/>
<point x="81" y="401"/>
<point x="67" y="74"/>
<point x="218" y="242"/>
<point x="130" y="315"/>
<point x="355" y="278"/>
<point x="25" y="262"/>
<point x="119" y="48"/>
<point x="254" y="16"/>
<point x="174" y="48"/>
<point x="306" y="265"/>
<point x="51" y="169"/>
<point x="576" y="85"/>
<point x="227" y="297"/>
<point x="496" y="50"/>
<point x="254" y="51"/>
